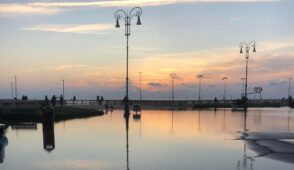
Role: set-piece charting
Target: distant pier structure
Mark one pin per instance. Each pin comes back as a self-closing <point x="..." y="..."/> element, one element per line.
<point x="147" y="104"/>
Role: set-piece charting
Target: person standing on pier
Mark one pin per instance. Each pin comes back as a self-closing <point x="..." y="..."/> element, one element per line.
<point x="53" y="100"/>
<point x="61" y="100"/>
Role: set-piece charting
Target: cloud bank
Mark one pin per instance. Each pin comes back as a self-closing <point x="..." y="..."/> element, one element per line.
<point x="57" y="7"/>
<point x="80" y="29"/>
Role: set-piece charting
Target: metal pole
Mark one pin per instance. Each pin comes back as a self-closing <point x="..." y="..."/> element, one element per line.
<point x="224" y="90"/>
<point x="289" y="90"/>
<point x="246" y="78"/>
<point x="12" y="90"/>
<point x="63" y="89"/>
<point x="140" y="87"/>
<point x="199" y="97"/>
<point x="173" y="97"/>
<point x="243" y="79"/>
<point x="127" y="71"/>
<point x="15" y="85"/>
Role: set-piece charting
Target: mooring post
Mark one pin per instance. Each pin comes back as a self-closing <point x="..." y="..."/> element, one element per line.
<point x="48" y="128"/>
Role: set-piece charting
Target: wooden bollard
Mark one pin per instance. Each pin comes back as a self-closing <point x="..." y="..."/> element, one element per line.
<point x="48" y="128"/>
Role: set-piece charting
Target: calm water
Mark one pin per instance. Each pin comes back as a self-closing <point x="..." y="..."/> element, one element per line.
<point x="161" y="140"/>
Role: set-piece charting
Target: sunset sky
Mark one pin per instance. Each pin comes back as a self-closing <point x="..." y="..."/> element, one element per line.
<point x="44" y="42"/>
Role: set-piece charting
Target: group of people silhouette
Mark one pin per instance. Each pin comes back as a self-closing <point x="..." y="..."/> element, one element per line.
<point x="53" y="101"/>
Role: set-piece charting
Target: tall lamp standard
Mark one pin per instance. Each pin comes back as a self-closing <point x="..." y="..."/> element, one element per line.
<point x="173" y="75"/>
<point x="200" y="76"/>
<point x="63" y="89"/>
<point x="247" y="48"/>
<point x="224" y="79"/>
<point x="243" y="80"/>
<point x="140" y="86"/>
<point x="127" y="17"/>
<point x="289" y="90"/>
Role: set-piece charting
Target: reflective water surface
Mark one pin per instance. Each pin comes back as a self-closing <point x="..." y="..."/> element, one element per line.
<point x="160" y="140"/>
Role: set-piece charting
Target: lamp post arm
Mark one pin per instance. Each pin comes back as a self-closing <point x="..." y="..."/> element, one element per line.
<point x="243" y="44"/>
<point x="136" y="11"/>
<point x="120" y="14"/>
<point x="252" y="44"/>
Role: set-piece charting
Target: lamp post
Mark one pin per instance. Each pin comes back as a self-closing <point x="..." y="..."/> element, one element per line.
<point x="224" y="79"/>
<point x="243" y="80"/>
<point x="289" y="90"/>
<point x="15" y="86"/>
<point x="173" y="75"/>
<point x="63" y="89"/>
<point x="127" y="18"/>
<point x="140" y="86"/>
<point x="199" y="92"/>
<point x="247" y="48"/>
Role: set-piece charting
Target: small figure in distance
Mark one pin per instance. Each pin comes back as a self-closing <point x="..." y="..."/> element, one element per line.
<point x="46" y="101"/>
<point x="101" y="100"/>
<point x="74" y="99"/>
<point x="53" y="100"/>
<point x="61" y="100"/>
<point x="215" y="100"/>
<point x="98" y="99"/>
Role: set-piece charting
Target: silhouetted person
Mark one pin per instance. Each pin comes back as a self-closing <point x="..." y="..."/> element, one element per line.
<point x="101" y="100"/>
<point x="46" y="101"/>
<point x="61" y="100"/>
<point x="290" y="100"/>
<point x="74" y="99"/>
<point x="215" y="100"/>
<point x="98" y="99"/>
<point x="53" y="100"/>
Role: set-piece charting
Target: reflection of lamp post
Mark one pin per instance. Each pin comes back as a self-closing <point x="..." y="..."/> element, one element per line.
<point x="199" y="93"/>
<point x="224" y="79"/>
<point x="247" y="48"/>
<point x="127" y="139"/>
<point x="173" y="75"/>
<point x="127" y="17"/>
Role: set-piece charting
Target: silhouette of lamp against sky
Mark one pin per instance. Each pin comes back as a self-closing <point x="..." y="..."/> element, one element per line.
<point x="127" y="17"/>
<point x="200" y="76"/>
<point x="247" y="48"/>
<point x="224" y="79"/>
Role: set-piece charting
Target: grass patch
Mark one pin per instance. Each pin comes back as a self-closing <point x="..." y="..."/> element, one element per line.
<point x="35" y="115"/>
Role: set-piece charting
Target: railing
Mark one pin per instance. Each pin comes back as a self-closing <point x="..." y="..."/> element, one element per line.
<point x="150" y="103"/>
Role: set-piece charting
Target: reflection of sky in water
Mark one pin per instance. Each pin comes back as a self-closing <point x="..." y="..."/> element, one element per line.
<point x="161" y="140"/>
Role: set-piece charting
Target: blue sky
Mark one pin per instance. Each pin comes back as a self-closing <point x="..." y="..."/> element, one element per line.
<point x="43" y="43"/>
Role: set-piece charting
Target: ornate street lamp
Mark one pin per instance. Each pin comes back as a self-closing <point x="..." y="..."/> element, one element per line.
<point x="127" y="18"/>
<point x="247" y="48"/>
